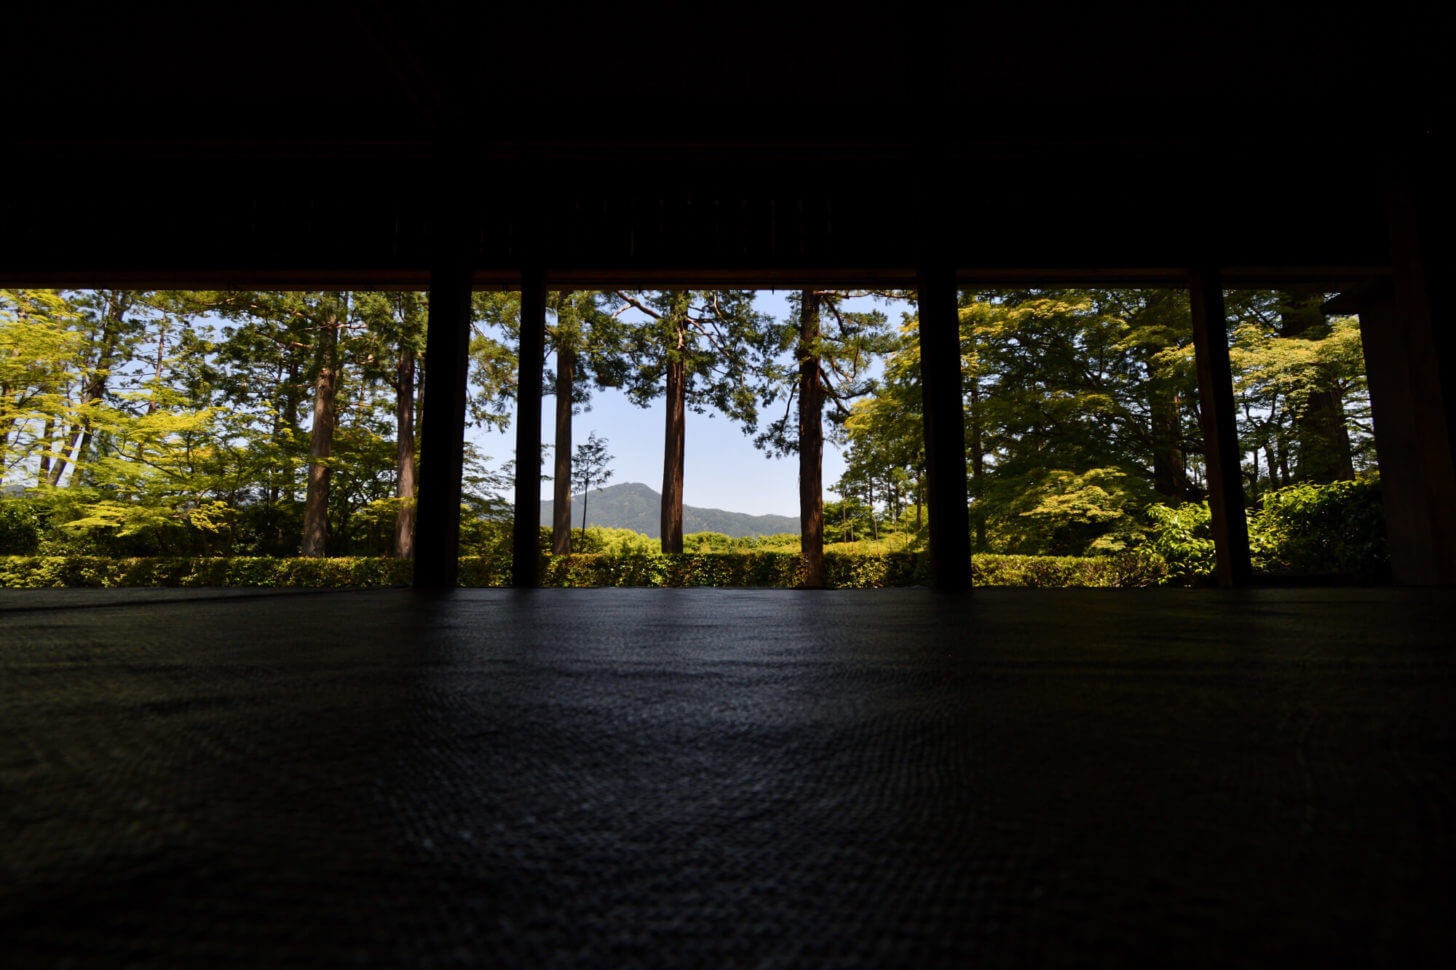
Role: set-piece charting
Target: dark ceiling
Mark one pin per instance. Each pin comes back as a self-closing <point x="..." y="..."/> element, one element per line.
<point x="324" y="140"/>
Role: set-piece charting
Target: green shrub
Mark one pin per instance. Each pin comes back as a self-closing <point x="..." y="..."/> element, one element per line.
<point x="1298" y="529"/>
<point x="873" y="571"/>
<point x="779" y="570"/>
<point x="1131" y="569"/>
<point x="688" y="569"/>
<point x="1337" y="528"/>
<point x="491" y="570"/>
<point x="1182" y="536"/>
<point x="33" y="572"/>
<point x="20" y="528"/>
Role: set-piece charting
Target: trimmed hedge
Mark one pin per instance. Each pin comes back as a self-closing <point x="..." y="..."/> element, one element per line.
<point x="781" y="570"/>
<point x="1053" y="572"/>
<point x="1299" y="531"/>
<point x="35" y="572"/>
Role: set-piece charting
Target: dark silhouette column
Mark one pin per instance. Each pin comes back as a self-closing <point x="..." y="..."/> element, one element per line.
<point x="945" y="447"/>
<point x="526" y="557"/>
<point x="442" y="437"/>
<point x="1417" y="481"/>
<point x="1411" y="373"/>
<point x="1220" y="432"/>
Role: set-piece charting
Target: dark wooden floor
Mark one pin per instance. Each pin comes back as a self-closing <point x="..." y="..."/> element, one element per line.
<point x="727" y="778"/>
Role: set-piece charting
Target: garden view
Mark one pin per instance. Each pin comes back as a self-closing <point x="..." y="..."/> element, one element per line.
<point x="270" y="438"/>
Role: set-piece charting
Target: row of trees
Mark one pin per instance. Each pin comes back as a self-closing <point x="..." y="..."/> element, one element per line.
<point x="286" y="422"/>
<point x="219" y="419"/>
<point x="1081" y="411"/>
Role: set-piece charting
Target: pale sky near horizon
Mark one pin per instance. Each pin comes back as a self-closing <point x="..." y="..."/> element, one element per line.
<point x="723" y="469"/>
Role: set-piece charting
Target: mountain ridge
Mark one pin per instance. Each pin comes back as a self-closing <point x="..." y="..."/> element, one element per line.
<point x="635" y="506"/>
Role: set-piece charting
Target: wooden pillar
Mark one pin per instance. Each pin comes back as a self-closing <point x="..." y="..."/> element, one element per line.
<point x="945" y="445"/>
<point x="442" y="438"/>
<point x="1220" y="432"/>
<point x="1417" y="481"/>
<point x="526" y="556"/>
<point x="1411" y="373"/>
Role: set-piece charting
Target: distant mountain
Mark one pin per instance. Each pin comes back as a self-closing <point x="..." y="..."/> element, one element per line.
<point x="635" y="506"/>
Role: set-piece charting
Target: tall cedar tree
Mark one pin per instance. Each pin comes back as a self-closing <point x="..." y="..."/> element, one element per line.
<point x="392" y="355"/>
<point x="701" y="350"/>
<point x="301" y="332"/>
<point x="832" y="349"/>
<point x="1324" y="439"/>
<point x="586" y="341"/>
<point x="1299" y="382"/>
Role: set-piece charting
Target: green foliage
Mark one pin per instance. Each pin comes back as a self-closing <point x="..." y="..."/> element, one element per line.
<point x="718" y="542"/>
<point x="39" y="345"/>
<point x="1299" y="378"/>
<point x="155" y="424"/>
<point x="1078" y="410"/>
<point x="844" y="348"/>
<point x="1308" y="528"/>
<point x="20" y="528"/>
<point x="1301" y="529"/>
<point x="717" y="337"/>
<point x="1130" y="569"/>
<point x="600" y="540"/>
<point x="35" y="572"/>
<point x="1093" y="513"/>
<point x="590" y="466"/>
<point x="1183" y="536"/>
<point x="685" y="569"/>
<point x="848" y="571"/>
<point x="490" y="570"/>
<point x="781" y="570"/>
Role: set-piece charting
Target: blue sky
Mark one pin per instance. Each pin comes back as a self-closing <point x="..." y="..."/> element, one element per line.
<point x="722" y="469"/>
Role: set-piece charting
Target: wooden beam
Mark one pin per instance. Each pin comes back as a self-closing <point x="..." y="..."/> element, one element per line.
<point x="1220" y="432"/>
<point x="945" y="448"/>
<point x="526" y="556"/>
<point x="442" y="438"/>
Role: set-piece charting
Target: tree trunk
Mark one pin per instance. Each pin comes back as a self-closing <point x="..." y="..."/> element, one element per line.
<point x="404" y="419"/>
<point x="978" y="470"/>
<point x="1165" y="431"/>
<point x="674" y="450"/>
<point x="74" y="442"/>
<point x="141" y="448"/>
<point x="1254" y="490"/>
<point x="321" y="441"/>
<point x="561" y="486"/>
<point x="93" y="389"/>
<point x="47" y="438"/>
<point x="811" y="444"/>
<point x="1324" y="453"/>
<point x="874" y="519"/>
<point x="583" y="518"/>
<point x="292" y="401"/>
